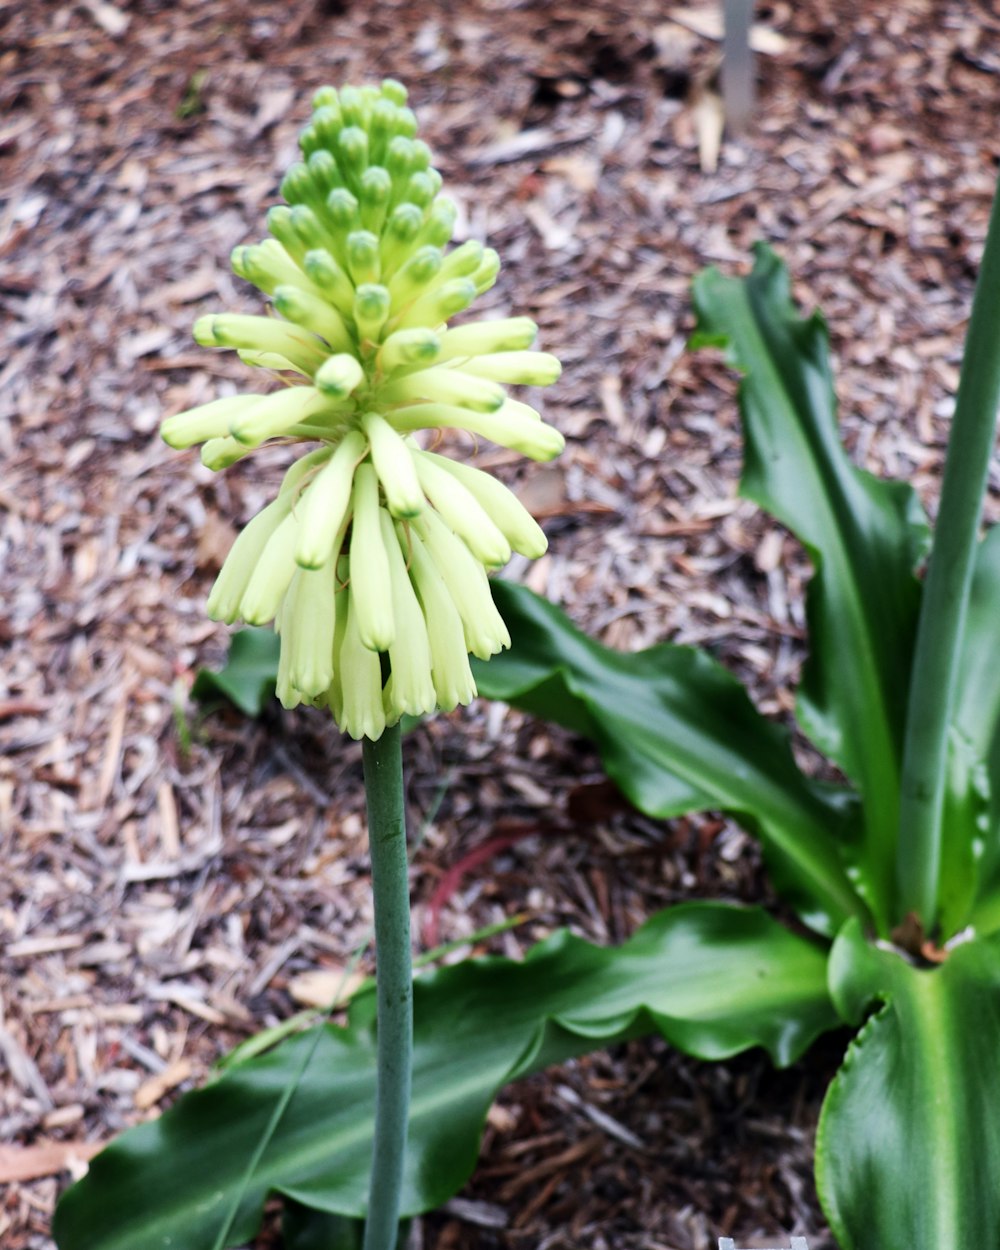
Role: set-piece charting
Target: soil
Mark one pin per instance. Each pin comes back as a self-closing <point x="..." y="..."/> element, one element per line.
<point x="168" y="874"/>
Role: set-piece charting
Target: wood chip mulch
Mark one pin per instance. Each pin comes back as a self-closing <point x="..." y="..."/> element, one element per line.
<point x="169" y="875"/>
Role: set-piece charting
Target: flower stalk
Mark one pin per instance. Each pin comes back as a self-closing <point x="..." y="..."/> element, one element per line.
<point x="946" y="596"/>
<point x="383" y="766"/>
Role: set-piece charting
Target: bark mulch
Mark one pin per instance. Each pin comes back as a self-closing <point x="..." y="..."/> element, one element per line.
<point x="169" y="875"/>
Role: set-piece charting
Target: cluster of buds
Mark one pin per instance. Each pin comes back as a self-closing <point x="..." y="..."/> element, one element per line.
<point x="372" y="559"/>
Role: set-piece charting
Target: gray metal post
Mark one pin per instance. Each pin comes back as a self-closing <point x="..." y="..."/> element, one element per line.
<point x="737" y="64"/>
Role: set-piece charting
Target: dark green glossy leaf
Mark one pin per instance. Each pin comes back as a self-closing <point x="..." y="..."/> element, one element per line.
<point x="249" y="676"/>
<point x="677" y="733"/>
<point x="864" y="536"/>
<point x="712" y="979"/>
<point x="303" y="1228"/>
<point x="908" y="1150"/>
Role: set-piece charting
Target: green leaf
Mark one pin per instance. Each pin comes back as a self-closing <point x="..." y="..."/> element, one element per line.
<point x="249" y="675"/>
<point x="677" y="733"/>
<point x="712" y="979"/>
<point x="908" y="1150"/>
<point x="865" y="538"/>
<point x="303" y="1228"/>
<point x="975" y="770"/>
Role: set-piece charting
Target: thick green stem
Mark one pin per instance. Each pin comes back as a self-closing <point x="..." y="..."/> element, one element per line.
<point x="946" y="595"/>
<point x="383" y="763"/>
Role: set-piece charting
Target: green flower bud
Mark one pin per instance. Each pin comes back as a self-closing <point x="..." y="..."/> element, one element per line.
<point x="279" y="222"/>
<point x="352" y="153"/>
<point x="343" y="209"/>
<point x="534" y="439"/>
<point x="371" y="592"/>
<point x="334" y="697"/>
<point x="326" y="97"/>
<point x="330" y="279"/>
<point x="362" y="714"/>
<point x="410" y="688"/>
<point x="459" y="508"/>
<point x="204" y="422"/>
<point x="268" y="265"/>
<point x="395" y="466"/>
<point x="400" y="159"/>
<point x="404" y="348"/>
<point x="308" y="229"/>
<point x="463" y="261"/>
<point x="516" y="368"/>
<point x="502" y="506"/>
<point x="373" y="196"/>
<point x="420" y="190"/>
<point x="486" y="337"/>
<point x="273" y="414"/>
<point x="266" y="360"/>
<point x="445" y="386"/>
<point x="314" y="314"/>
<point x="406" y="123"/>
<point x="394" y="91"/>
<point x="339" y="375"/>
<point x="271" y="575"/>
<point x="220" y="453"/>
<point x="325" y="506"/>
<point x="308" y="628"/>
<point x="363" y="262"/>
<point x="238" y="567"/>
<point x="440" y="224"/>
<point x="325" y="174"/>
<point x="411" y="279"/>
<point x="468" y="585"/>
<point x="297" y="186"/>
<point x="352" y="107"/>
<point x="401" y="229"/>
<point x="486" y="275"/>
<point x="371" y="310"/>
<point x="439" y="305"/>
<point x="453" y="679"/>
<point x="381" y="128"/>
<point x="422" y="155"/>
<point x="323" y="131"/>
<point x="262" y="334"/>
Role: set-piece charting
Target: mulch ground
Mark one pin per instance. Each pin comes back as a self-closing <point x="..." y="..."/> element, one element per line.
<point x="168" y="875"/>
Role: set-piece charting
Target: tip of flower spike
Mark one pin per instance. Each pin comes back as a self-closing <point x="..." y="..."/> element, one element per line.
<point x="394" y="91"/>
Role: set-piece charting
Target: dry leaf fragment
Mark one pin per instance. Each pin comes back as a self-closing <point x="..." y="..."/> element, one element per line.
<point x="323" y="987"/>
<point x="709" y="121"/>
<point x="30" y="1163"/>
<point x="152" y="1090"/>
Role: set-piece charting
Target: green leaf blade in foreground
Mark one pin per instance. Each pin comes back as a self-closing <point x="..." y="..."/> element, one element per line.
<point x="975" y="746"/>
<point x="713" y="979"/>
<point x="249" y="675"/>
<point x="908" y="1150"/>
<point x="677" y="733"/>
<point x="865" y="538"/>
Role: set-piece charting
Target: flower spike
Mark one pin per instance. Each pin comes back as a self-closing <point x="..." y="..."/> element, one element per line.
<point x="372" y="559"/>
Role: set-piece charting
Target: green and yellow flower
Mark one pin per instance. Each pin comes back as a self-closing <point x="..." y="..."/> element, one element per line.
<point x="376" y="547"/>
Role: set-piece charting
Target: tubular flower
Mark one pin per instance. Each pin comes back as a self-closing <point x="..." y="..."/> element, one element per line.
<point x="372" y="559"/>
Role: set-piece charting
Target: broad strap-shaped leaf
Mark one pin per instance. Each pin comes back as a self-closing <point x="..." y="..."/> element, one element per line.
<point x="249" y="674"/>
<point x="864" y="536"/>
<point x="908" y="1151"/>
<point x="713" y="979"/>
<point x="677" y="733"/>
<point x="975" y="763"/>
